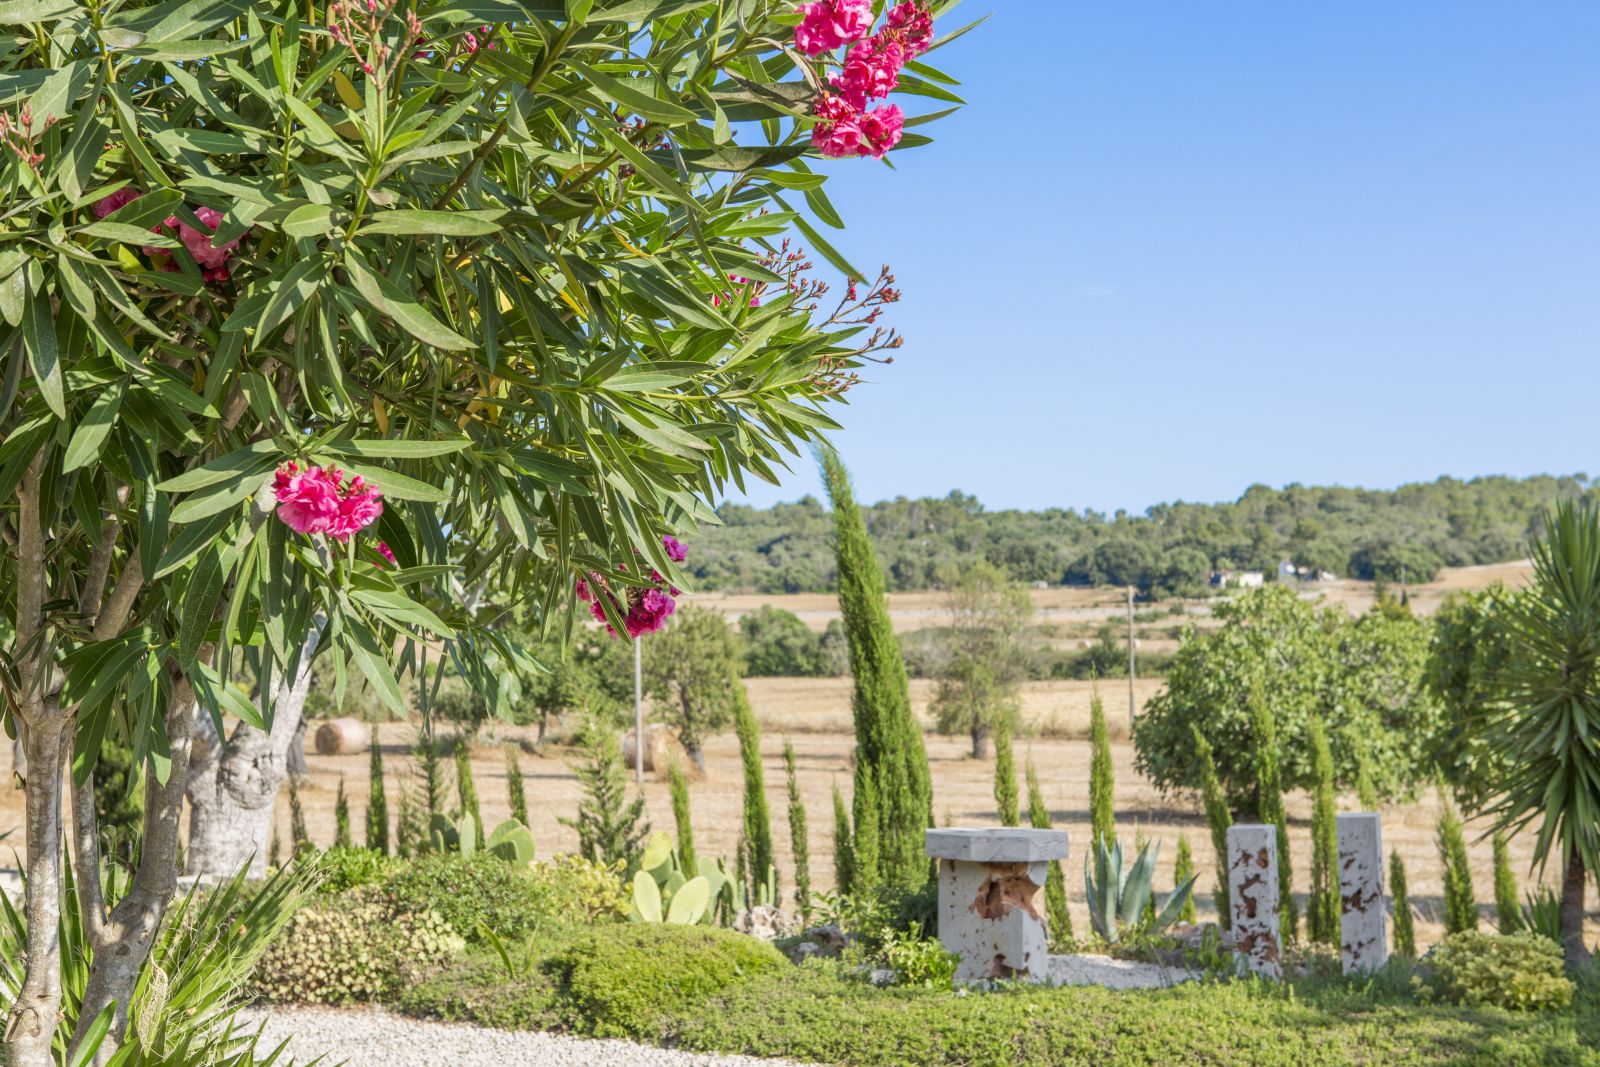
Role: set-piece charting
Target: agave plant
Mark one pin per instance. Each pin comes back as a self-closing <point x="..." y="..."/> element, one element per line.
<point x="1118" y="900"/>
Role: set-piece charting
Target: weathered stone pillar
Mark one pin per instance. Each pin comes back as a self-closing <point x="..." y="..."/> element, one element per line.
<point x="991" y="899"/>
<point x="1253" y="893"/>
<point x="1363" y="924"/>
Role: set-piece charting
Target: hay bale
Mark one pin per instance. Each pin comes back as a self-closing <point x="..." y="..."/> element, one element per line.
<point x="661" y="747"/>
<point x="343" y="737"/>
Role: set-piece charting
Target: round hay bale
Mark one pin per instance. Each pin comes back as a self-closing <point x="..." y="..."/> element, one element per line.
<point x="661" y="747"/>
<point x="343" y="737"/>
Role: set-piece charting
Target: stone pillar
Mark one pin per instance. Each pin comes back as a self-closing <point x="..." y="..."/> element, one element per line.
<point x="991" y="899"/>
<point x="1363" y="924"/>
<point x="1253" y="893"/>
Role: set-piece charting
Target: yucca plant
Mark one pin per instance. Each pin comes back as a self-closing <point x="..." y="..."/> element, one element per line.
<point x="189" y="988"/>
<point x="1118" y="898"/>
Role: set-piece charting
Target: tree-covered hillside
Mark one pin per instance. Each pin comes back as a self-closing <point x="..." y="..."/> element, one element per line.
<point x="1401" y="534"/>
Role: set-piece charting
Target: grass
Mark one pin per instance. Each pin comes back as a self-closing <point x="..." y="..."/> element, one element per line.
<point x="709" y="997"/>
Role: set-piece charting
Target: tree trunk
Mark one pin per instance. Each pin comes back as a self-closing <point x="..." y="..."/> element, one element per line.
<point x="31" y="1026"/>
<point x="233" y="787"/>
<point x="297" y="748"/>
<point x="697" y="755"/>
<point x="1572" y="887"/>
<point x="980" y="741"/>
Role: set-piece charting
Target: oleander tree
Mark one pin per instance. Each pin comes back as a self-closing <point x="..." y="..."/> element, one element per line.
<point x="322" y="320"/>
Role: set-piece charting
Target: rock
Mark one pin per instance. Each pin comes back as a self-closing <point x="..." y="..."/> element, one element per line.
<point x="766" y="922"/>
<point x="881" y="976"/>
<point x="829" y="939"/>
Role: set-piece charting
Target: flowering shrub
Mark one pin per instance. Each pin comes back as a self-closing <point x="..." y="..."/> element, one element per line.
<point x="643" y="609"/>
<point x="870" y="71"/>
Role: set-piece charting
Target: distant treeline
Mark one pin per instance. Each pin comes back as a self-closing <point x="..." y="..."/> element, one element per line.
<point x="1404" y="534"/>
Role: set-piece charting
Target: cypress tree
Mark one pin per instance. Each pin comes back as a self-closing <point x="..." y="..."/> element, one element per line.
<point x="1405" y="929"/>
<point x="1055" y="886"/>
<point x="407" y="832"/>
<point x="1005" y="777"/>
<point x="1182" y="869"/>
<point x="275" y="852"/>
<point x="611" y="828"/>
<point x="844" y="860"/>
<point x="467" y="790"/>
<point x="1102" y="778"/>
<point x="515" y="791"/>
<point x="1366" y="791"/>
<point x="864" y="842"/>
<point x="893" y="787"/>
<point x="678" y="783"/>
<point x="1219" y="819"/>
<point x="757" y="820"/>
<point x="1269" y="790"/>
<point x="797" y="837"/>
<point x="298" y="837"/>
<point x="1507" y="910"/>
<point x="1460" y="900"/>
<point x="432" y="774"/>
<point x="1322" y="910"/>
<point x="341" y="818"/>
<point x="377" y="800"/>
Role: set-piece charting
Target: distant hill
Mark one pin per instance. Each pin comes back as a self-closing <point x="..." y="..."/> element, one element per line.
<point x="1400" y="534"/>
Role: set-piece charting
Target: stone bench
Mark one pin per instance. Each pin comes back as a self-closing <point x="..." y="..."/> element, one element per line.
<point x="991" y="899"/>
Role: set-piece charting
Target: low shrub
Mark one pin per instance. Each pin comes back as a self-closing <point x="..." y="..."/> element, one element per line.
<point x="919" y="961"/>
<point x="623" y="980"/>
<point x="346" y="868"/>
<point x="353" y="948"/>
<point x="469" y="891"/>
<point x="1523" y="972"/>
<point x="577" y="890"/>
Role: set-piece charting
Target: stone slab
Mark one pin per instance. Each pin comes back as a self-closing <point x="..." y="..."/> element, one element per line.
<point x="1253" y="897"/>
<point x="996" y="845"/>
<point x="992" y="916"/>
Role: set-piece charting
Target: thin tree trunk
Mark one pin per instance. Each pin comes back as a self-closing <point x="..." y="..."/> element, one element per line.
<point x="233" y="787"/>
<point x="697" y="756"/>
<point x="1572" y="887"/>
<point x="123" y="938"/>
<point x="980" y="741"/>
<point x="296" y="756"/>
<point x="31" y="1027"/>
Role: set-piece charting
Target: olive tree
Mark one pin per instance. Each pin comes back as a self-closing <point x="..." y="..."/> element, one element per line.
<point x="979" y="688"/>
<point x="317" y="315"/>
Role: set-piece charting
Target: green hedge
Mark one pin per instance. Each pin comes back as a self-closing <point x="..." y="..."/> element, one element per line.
<point x="711" y="991"/>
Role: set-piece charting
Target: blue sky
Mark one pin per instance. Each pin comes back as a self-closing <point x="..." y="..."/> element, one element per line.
<point x="1171" y="249"/>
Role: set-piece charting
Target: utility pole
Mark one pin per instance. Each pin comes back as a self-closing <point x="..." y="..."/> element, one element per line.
<point x="1130" y="661"/>
<point x="638" y="713"/>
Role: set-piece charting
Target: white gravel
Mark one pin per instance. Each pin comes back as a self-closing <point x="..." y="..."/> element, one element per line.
<point x="1116" y="974"/>
<point x="371" y="1038"/>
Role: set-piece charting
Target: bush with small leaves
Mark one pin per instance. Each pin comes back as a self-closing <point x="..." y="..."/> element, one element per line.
<point x="354" y="948"/>
<point x="623" y="978"/>
<point x="917" y="960"/>
<point x="577" y="890"/>
<point x="342" y="869"/>
<point x="1521" y="972"/>
<point x="469" y="892"/>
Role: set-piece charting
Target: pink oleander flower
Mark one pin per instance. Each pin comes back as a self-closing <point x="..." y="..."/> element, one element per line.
<point x="871" y="71"/>
<point x="910" y="25"/>
<point x="316" y="500"/>
<point x="675" y="550"/>
<point x="881" y="129"/>
<point x="358" y="508"/>
<point x="200" y="244"/>
<point x="308" y="500"/>
<point x="107" y="204"/>
<point x="837" y="133"/>
<point x="387" y="553"/>
<point x="827" y="24"/>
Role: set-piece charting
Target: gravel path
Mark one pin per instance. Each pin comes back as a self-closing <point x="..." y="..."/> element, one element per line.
<point x="372" y="1038"/>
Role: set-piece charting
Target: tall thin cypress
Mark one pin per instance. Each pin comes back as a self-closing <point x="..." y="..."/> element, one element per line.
<point x="1102" y="778"/>
<point x="864" y="843"/>
<point x="1183" y="869"/>
<point x="516" y="794"/>
<point x="341" y="818"/>
<point x="1055" y="885"/>
<point x="1269" y="790"/>
<point x="678" y="784"/>
<point x="893" y="785"/>
<point x="1460" y="899"/>
<point x="1323" y="908"/>
<point x="298" y="837"/>
<point x="1507" y="909"/>
<point x="757" y="820"/>
<point x="1405" y="927"/>
<point x="1005" y="777"/>
<point x="377" y="799"/>
<point x="466" y="789"/>
<point x="844" y="858"/>
<point x="1218" y="818"/>
<point x="797" y="836"/>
